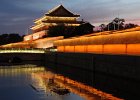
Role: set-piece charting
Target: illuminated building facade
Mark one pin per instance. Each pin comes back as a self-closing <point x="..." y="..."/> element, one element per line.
<point x="57" y="16"/>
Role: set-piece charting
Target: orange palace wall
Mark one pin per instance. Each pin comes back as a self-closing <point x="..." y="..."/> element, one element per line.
<point x="130" y="49"/>
<point x="120" y="43"/>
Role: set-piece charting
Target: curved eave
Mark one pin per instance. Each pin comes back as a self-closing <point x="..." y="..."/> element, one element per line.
<point x="62" y="15"/>
<point x="53" y="24"/>
<point x="39" y="19"/>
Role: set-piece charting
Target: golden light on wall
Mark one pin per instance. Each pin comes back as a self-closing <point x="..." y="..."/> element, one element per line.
<point x="114" y="49"/>
<point x="133" y="49"/>
<point x="61" y="48"/>
<point x="130" y="49"/>
<point x="46" y="42"/>
<point x="35" y="36"/>
<point x="69" y="48"/>
<point x="119" y="43"/>
<point x="28" y="37"/>
<point x="95" y="49"/>
<point x="80" y="48"/>
<point x="120" y="38"/>
<point x="128" y="30"/>
<point x="39" y="43"/>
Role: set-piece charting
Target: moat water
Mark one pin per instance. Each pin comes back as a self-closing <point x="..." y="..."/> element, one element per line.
<point x="31" y="82"/>
<point x="21" y="83"/>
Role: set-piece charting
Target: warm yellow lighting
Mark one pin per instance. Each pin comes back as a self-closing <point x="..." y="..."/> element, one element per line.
<point x="15" y="70"/>
<point x="37" y="21"/>
<point x="128" y="49"/>
<point x="22" y="51"/>
<point x="120" y="38"/>
<point x="61" y="18"/>
<point x="28" y="37"/>
<point x="114" y="49"/>
<point x="95" y="49"/>
<point x="133" y="49"/>
<point x="46" y="42"/>
<point x="119" y="43"/>
<point x="69" y="49"/>
<point x="61" y="48"/>
<point x="38" y="26"/>
<point x="51" y="24"/>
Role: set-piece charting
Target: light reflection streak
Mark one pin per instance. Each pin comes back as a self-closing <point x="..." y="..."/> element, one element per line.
<point x="86" y="92"/>
<point x="22" y="51"/>
<point x="16" y="70"/>
<point x="17" y="75"/>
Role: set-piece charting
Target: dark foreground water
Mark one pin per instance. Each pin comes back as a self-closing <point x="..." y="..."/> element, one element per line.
<point x="22" y="83"/>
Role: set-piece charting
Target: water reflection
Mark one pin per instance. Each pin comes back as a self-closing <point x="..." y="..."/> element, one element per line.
<point x="86" y="92"/>
<point x="30" y="82"/>
<point x="21" y="83"/>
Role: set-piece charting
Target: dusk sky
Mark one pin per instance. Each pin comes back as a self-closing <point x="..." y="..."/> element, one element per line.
<point x="18" y="15"/>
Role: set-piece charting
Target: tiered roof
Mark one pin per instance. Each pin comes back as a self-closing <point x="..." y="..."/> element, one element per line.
<point x="55" y="16"/>
<point x="61" y="11"/>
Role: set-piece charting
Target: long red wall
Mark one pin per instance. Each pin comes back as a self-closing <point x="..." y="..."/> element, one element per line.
<point x="130" y="49"/>
<point x="120" y="42"/>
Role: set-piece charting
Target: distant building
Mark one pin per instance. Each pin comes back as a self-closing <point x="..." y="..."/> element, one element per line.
<point x="57" y="16"/>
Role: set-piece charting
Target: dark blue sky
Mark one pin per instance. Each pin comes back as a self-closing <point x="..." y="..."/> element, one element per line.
<point x="18" y="15"/>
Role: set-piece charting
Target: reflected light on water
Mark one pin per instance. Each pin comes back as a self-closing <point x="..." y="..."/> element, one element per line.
<point x="23" y="83"/>
<point x="86" y="92"/>
<point x="16" y="70"/>
<point x="36" y="80"/>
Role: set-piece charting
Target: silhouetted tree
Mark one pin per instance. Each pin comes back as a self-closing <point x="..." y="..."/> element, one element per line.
<point x="14" y="38"/>
<point x="119" y="22"/>
<point x="116" y="24"/>
<point x="10" y="38"/>
<point x="102" y="27"/>
<point x="130" y="25"/>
